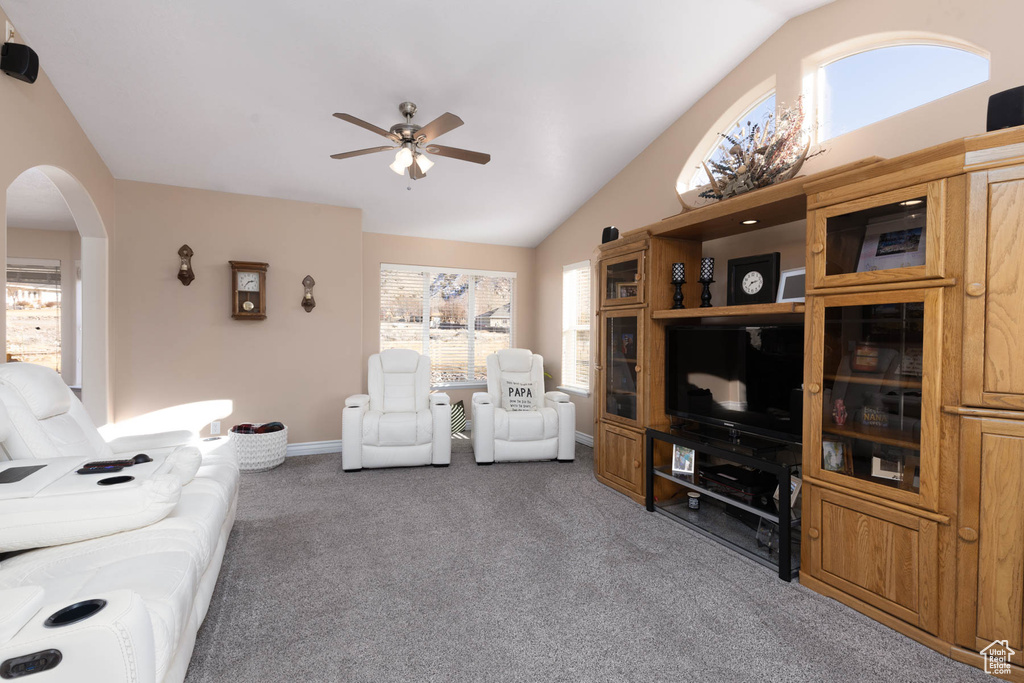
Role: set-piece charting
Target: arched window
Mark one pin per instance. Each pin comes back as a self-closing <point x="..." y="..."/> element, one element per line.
<point x="859" y="89"/>
<point x="755" y="113"/>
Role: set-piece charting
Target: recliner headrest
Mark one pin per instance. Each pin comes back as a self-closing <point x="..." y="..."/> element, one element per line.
<point x="399" y="360"/>
<point x="515" y="360"/>
<point x="41" y="388"/>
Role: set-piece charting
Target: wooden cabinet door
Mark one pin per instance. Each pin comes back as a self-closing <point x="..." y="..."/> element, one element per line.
<point x="993" y="359"/>
<point x="620" y="458"/>
<point x="622" y="279"/>
<point x="990" y="590"/>
<point x="882" y="556"/>
<point x="621" y="366"/>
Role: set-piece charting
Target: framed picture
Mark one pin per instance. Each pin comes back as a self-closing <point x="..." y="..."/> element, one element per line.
<point x="795" y="484"/>
<point x="898" y="243"/>
<point x="865" y="358"/>
<point x="836" y="456"/>
<point x="912" y="363"/>
<point x="792" y="284"/>
<point x="683" y="461"/>
<point x="625" y="290"/>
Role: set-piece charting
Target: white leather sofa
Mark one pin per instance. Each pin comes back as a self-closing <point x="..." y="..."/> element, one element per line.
<point x="156" y="580"/>
<point x="399" y="423"/>
<point x="515" y="419"/>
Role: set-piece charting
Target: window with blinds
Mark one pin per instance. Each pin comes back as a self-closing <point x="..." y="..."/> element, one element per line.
<point x="457" y="317"/>
<point x="576" y="326"/>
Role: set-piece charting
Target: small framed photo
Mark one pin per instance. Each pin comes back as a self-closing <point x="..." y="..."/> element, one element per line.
<point x="625" y="290"/>
<point x="835" y="456"/>
<point x="792" y="284"/>
<point x="683" y="461"/>
<point x="896" y="243"/>
<point x="795" y="484"/>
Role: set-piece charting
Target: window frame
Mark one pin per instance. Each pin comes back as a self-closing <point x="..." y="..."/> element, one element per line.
<point x="575" y="328"/>
<point x="815" y="76"/>
<point x="433" y="271"/>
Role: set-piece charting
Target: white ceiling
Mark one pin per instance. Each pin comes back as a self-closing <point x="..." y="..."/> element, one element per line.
<point x="237" y="95"/>
<point x="34" y="202"/>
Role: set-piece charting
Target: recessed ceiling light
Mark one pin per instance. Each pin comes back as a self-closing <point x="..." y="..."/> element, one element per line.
<point x="750" y="221"/>
<point x="912" y="202"/>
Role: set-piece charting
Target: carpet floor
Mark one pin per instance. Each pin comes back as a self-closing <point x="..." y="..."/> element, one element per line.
<point x="513" y="572"/>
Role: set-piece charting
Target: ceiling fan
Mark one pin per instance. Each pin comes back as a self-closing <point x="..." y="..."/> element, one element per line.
<point x="410" y="139"/>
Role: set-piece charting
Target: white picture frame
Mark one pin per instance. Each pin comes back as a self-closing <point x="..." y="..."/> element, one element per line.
<point x="791" y="281"/>
<point x="683" y="460"/>
<point x="897" y="243"/>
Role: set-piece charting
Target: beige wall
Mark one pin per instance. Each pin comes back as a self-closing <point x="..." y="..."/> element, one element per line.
<point x="644" y="192"/>
<point x="378" y="248"/>
<point x="64" y="246"/>
<point x="180" y="344"/>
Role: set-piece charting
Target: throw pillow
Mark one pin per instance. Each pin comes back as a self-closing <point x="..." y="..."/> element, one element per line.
<point x="458" y="417"/>
<point x="517" y="396"/>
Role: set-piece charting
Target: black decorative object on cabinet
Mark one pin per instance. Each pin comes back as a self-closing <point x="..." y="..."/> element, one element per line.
<point x="753" y="279"/>
<point x="678" y="279"/>
<point x="610" y="234"/>
<point x="707" y="277"/>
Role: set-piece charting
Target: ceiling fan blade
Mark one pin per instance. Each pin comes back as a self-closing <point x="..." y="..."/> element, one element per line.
<point x="438" y="127"/>
<point x="369" y="126"/>
<point x="456" y="153"/>
<point x="415" y="173"/>
<point x="360" y="152"/>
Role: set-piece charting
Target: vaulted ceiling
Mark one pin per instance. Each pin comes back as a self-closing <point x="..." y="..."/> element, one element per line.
<point x="237" y="95"/>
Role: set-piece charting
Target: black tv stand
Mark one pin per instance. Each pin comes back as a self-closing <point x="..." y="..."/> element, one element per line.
<point x="733" y="516"/>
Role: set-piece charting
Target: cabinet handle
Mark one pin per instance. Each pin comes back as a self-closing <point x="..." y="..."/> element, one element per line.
<point x="598" y="368"/>
<point x="813" y="388"/>
<point x="636" y="278"/>
<point x="636" y="464"/>
<point x="975" y="289"/>
<point x="968" y="534"/>
<point x="812" y="532"/>
<point x="637" y="368"/>
<point x="817" y="248"/>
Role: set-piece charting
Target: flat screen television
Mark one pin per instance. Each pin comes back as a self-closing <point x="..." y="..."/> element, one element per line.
<point x="743" y="377"/>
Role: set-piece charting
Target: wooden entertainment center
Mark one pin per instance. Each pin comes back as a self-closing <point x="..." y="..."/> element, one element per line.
<point x="916" y="517"/>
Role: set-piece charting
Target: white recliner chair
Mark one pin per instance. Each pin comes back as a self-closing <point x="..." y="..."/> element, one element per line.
<point x="515" y="419"/>
<point x="399" y="423"/>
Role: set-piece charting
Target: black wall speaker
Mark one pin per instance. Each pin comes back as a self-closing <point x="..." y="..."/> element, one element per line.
<point x="19" y="61"/>
<point x="610" y="234"/>
<point x="1006" y="109"/>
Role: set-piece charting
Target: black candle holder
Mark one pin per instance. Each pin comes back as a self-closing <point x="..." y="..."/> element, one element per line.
<point x="678" y="297"/>
<point x="678" y="279"/>
<point x="705" y="295"/>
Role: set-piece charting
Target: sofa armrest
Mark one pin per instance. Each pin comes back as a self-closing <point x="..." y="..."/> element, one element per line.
<point x="357" y="401"/>
<point x="440" y="399"/>
<point x="441" y="414"/>
<point x="482" y="398"/>
<point x="17" y="607"/>
<point x="483" y="428"/>
<point x="566" y="411"/>
<point x="148" y="443"/>
<point x="556" y="396"/>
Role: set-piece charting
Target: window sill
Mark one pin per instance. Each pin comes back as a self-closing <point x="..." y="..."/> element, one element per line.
<point x="574" y="391"/>
<point x="460" y="385"/>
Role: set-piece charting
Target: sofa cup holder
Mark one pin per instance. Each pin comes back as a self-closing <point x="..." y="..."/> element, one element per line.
<point x="113" y="481"/>
<point x="72" y="614"/>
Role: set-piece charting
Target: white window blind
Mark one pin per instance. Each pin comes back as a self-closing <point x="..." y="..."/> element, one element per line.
<point x="576" y="326"/>
<point x="457" y="317"/>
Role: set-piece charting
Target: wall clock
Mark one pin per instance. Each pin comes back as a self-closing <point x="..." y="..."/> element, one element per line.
<point x="248" y="290"/>
<point x="753" y="279"/>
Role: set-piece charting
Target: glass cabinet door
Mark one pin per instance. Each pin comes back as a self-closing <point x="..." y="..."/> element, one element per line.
<point x="896" y="236"/>
<point x="620" y="349"/>
<point x="622" y="280"/>
<point x="877" y="375"/>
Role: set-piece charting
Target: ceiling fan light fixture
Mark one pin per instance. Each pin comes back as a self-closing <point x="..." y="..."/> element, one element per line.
<point x="424" y="163"/>
<point x="397" y="167"/>
<point x="404" y="157"/>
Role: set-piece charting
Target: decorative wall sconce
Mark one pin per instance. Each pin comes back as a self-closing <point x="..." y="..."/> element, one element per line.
<point x="678" y="279"/>
<point x="185" y="273"/>
<point x="308" y="302"/>
<point x="707" y="276"/>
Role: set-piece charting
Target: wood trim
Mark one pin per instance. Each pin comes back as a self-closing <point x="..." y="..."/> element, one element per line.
<point x="899" y="507"/>
<point x="968" y="512"/>
<point x="994" y="157"/>
<point x="882" y="287"/>
<point x="633" y="242"/>
<point x="728" y="311"/>
<point x="931" y="172"/>
<point x="993" y="413"/>
<point x="975" y="279"/>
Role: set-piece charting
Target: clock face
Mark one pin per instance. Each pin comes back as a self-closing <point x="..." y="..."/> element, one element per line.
<point x="248" y="282"/>
<point x="753" y="282"/>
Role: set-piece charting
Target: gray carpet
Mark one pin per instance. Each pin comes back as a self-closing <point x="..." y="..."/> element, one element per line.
<point x="513" y="572"/>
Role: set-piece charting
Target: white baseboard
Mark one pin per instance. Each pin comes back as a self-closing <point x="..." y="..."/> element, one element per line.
<point x="313" y="448"/>
<point x="585" y="439"/>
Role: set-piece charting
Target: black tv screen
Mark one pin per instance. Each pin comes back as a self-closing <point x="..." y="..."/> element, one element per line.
<point x="745" y="377"/>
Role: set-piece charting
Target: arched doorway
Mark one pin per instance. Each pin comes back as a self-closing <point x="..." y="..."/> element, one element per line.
<point x="92" y="295"/>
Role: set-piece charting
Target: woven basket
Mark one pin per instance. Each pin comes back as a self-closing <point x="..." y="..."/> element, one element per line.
<point x="257" y="452"/>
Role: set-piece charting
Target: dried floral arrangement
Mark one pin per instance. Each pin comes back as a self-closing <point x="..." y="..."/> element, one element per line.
<point x="760" y="154"/>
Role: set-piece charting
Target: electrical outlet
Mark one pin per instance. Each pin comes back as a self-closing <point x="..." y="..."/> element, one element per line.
<point x="8" y="33"/>
<point x="215" y="427"/>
